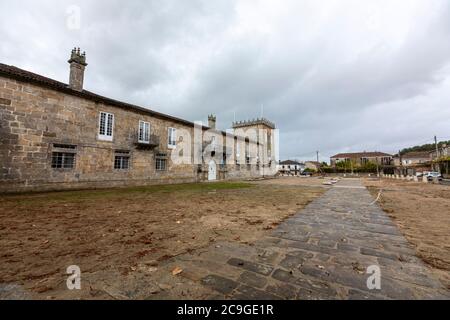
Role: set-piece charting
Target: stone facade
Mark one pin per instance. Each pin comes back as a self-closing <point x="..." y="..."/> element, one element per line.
<point x="362" y="158"/>
<point x="42" y="118"/>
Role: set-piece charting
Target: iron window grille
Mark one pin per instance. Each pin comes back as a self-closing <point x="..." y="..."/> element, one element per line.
<point x="161" y="162"/>
<point x="61" y="160"/>
<point x="122" y="160"/>
<point x="63" y="156"/>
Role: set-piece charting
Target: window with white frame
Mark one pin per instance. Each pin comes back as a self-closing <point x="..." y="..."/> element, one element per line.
<point x="144" y="132"/>
<point x="106" y="126"/>
<point x="172" y="134"/>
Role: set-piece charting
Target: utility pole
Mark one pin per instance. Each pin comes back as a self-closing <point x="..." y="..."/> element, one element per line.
<point x="436" y="144"/>
<point x="319" y="169"/>
<point x="437" y="154"/>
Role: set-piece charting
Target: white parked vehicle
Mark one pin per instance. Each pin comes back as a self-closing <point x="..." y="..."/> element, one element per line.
<point x="431" y="175"/>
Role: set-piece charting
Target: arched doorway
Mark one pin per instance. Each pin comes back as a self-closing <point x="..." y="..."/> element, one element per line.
<point x="212" y="171"/>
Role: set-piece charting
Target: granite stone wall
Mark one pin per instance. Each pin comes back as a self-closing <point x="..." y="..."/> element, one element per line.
<point x="33" y="119"/>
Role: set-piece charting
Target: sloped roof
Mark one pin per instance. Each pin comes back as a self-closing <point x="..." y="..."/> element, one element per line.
<point x="289" y="162"/>
<point x="30" y="77"/>
<point x="361" y="155"/>
<point x="417" y="154"/>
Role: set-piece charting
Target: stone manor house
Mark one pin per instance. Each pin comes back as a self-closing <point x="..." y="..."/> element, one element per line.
<point x="57" y="136"/>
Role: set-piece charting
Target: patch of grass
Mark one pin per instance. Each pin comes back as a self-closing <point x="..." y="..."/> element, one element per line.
<point x="85" y="195"/>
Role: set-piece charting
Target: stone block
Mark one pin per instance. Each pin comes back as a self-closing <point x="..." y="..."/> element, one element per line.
<point x="292" y="262"/>
<point x="248" y="293"/>
<point x="252" y="279"/>
<point x="220" y="284"/>
<point x="5" y="102"/>
<point x="251" y="266"/>
<point x="284" y="276"/>
<point x="283" y="290"/>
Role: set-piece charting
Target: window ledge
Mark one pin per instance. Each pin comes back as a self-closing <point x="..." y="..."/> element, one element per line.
<point x="106" y="139"/>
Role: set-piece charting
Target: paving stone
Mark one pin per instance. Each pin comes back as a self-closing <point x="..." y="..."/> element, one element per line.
<point x="347" y="247"/>
<point x="308" y="294"/>
<point x="211" y="267"/>
<point x="215" y="256"/>
<point x="268" y="241"/>
<point x="235" y="249"/>
<point x="250" y="266"/>
<point x="322" y="287"/>
<point x="292" y="262"/>
<point x="317" y="272"/>
<point x="321" y="253"/>
<point x="244" y="292"/>
<point x="283" y="275"/>
<point x="376" y="253"/>
<point x="294" y="236"/>
<point x="252" y="279"/>
<point x="267" y="256"/>
<point x="220" y="284"/>
<point x="351" y="279"/>
<point x="327" y="243"/>
<point x="312" y="247"/>
<point x="396" y="290"/>
<point x="321" y="257"/>
<point x="361" y="295"/>
<point x="283" y="290"/>
<point x="192" y="274"/>
<point x="302" y="254"/>
<point x="11" y="291"/>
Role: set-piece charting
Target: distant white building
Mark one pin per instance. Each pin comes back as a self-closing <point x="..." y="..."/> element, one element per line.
<point x="290" y="168"/>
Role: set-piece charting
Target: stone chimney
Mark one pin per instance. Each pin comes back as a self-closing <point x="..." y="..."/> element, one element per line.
<point x="212" y="121"/>
<point x="77" y="65"/>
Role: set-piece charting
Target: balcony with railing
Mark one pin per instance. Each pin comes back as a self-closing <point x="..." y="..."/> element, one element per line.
<point x="152" y="142"/>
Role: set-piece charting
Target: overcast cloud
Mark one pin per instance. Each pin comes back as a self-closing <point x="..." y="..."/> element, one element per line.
<point x="334" y="76"/>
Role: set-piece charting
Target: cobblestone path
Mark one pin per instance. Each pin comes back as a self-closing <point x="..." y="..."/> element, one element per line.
<point x="323" y="252"/>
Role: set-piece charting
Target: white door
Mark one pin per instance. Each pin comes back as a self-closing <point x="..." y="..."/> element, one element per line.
<point x="212" y="175"/>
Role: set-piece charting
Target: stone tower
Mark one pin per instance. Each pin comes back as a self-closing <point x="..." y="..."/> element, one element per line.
<point x="77" y="65"/>
<point x="212" y="121"/>
<point x="266" y="138"/>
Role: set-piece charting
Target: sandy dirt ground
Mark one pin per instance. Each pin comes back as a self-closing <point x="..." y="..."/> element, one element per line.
<point x="422" y="212"/>
<point x="112" y="233"/>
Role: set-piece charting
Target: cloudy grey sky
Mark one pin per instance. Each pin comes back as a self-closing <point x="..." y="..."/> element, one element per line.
<point x="335" y="76"/>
